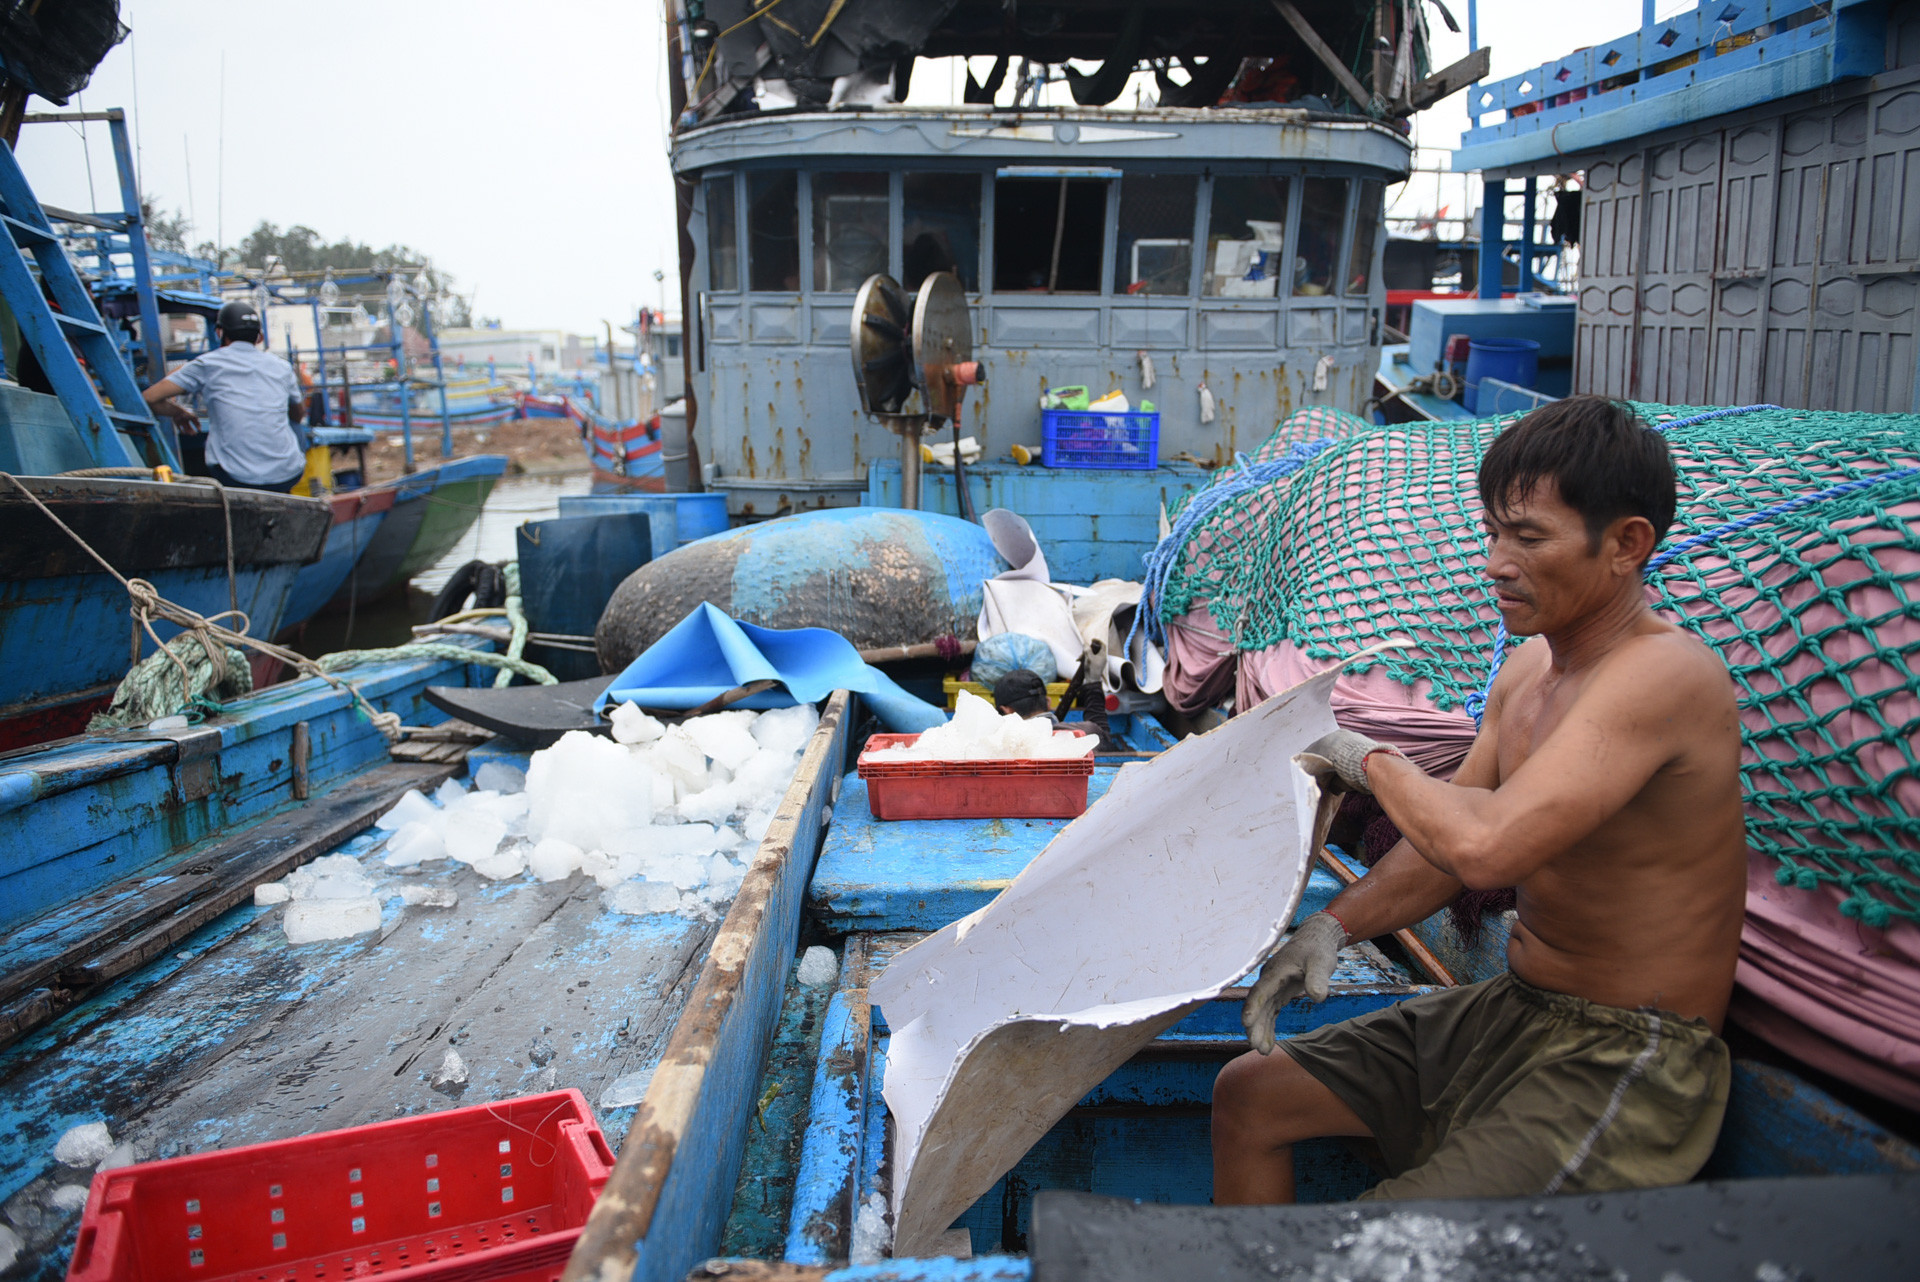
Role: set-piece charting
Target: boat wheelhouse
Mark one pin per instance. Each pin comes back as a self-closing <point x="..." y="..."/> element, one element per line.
<point x="1220" y="263"/>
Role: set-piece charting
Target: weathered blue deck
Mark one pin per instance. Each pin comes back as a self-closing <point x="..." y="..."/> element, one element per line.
<point x="920" y="874"/>
<point x="240" y="1037"/>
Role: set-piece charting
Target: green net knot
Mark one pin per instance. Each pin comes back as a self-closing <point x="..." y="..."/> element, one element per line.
<point x="1865" y="909"/>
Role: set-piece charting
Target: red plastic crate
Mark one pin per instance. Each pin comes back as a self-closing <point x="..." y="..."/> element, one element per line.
<point x="495" y="1191"/>
<point x="973" y="789"/>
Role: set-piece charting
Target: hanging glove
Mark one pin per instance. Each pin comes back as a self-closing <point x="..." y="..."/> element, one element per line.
<point x="1303" y="964"/>
<point x="1343" y="755"/>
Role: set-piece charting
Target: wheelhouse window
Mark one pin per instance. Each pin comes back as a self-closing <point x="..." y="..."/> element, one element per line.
<point x="723" y="235"/>
<point x="1323" y="216"/>
<point x="1366" y="234"/>
<point x="1246" y="234"/>
<point x="849" y="230"/>
<point x="1048" y="234"/>
<point x="940" y="228"/>
<point x="1153" y="253"/>
<point x="773" y="231"/>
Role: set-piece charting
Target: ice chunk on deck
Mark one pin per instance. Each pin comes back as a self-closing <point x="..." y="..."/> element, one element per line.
<point x="411" y="808"/>
<point x="308" y="920"/>
<point x="429" y="896"/>
<point x="727" y="737"/>
<point x="498" y="776"/>
<point x="554" y="859"/>
<point x="509" y="860"/>
<point x="330" y="877"/>
<point x="627" y="1090"/>
<point x="83" y="1145"/>
<point x="271" y="892"/>
<point x="450" y="793"/>
<point x="786" y="730"/>
<point x="710" y="805"/>
<point x="472" y="834"/>
<point x="451" y="1077"/>
<point x="591" y="793"/>
<point x="632" y="726"/>
<point x="871" y="1235"/>
<point x="68" y="1198"/>
<point x="637" y="898"/>
<point x="818" y="967"/>
<point x="676" y="755"/>
<point x="414" y="843"/>
<point x="10" y="1245"/>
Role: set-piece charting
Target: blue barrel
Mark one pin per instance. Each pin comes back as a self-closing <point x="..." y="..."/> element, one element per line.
<point x="701" y="515"/>
<point x="662" y="512"/>
<point x="1511" y="360"/>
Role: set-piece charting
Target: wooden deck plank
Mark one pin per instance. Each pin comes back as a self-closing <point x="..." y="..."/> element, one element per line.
<point x="666" y="1204"/>
<point x="250" y="1038"/>
<point x="124" y="925"/>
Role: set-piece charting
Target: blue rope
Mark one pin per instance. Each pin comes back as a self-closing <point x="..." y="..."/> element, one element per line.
<point x="1710" y="415"/>
<point x="1164" y="555"/>
<point x="1476" y="704"/>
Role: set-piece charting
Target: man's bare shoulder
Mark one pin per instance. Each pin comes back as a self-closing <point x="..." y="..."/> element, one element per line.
<point x="1669" y="664"/>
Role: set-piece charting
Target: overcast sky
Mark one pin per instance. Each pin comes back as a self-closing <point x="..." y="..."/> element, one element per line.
<point x="522" y="147"/>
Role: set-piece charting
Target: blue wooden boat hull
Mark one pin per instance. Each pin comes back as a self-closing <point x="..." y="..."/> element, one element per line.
<point x="66" y="638"/>
<point x="431" y="510"/>
<point x="347" y="542"/>
<point x="1143" y="1133"/>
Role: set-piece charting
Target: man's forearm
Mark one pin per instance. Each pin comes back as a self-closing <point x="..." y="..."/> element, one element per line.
<point x="1401" y="889"/>
<point x="1453" y="828"/>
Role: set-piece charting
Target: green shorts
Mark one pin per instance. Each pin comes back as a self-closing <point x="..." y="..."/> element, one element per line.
<point x="1501" y="1089"/>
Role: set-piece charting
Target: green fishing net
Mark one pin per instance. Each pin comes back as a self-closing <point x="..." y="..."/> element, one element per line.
<point x="1806" y="588"/>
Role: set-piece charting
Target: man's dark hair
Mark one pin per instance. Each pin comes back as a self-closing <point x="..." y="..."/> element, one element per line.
<point x="1606" y="463"/>
<point x="1021" y="691"/>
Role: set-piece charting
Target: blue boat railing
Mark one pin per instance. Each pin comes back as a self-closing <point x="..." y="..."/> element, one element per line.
<point x="1721" y="39"/>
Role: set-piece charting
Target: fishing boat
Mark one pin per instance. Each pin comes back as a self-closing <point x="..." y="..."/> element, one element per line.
<point x="66" y="638"/>
<point x="400" y="529"/>
<point x="470" y="402"/>
<point x="87" y="455"/>
<point x="1692" y="162"/>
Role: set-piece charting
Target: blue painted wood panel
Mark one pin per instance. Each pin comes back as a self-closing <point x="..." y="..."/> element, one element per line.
<point x="877" y="875"/>
<point x="76" y="817"/>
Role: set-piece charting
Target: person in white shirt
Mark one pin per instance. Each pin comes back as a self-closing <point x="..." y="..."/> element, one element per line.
<point x="252" y="402"/>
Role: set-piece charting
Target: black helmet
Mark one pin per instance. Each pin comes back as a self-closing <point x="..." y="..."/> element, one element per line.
<point x="239" y="320"/>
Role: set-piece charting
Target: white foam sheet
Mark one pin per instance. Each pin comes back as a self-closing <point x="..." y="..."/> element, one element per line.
<point x="1176" y="884"/>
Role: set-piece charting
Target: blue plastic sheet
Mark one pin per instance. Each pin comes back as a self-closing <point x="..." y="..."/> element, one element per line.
<point x="707" y="654"/>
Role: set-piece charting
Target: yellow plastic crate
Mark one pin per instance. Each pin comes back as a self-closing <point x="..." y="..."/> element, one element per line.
<point x="953" y="686"/>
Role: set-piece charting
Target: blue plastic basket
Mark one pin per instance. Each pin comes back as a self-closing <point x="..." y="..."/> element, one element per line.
<point x="1094" y="439"/>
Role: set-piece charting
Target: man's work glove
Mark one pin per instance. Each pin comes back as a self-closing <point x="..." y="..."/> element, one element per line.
<point x="1345" y="755"/>
<point x="1303" y="964"/>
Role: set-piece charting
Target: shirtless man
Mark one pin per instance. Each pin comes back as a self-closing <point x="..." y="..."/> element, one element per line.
<point x="1604" y="785"/>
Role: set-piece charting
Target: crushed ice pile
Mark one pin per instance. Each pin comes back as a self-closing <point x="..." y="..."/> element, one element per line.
<point x="978" y="733"/>
<point x="661" y="817"/>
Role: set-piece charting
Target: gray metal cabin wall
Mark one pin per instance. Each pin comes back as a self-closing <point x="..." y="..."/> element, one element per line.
<point x="1771" y="255"/>
<point x="780" y="419"/>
